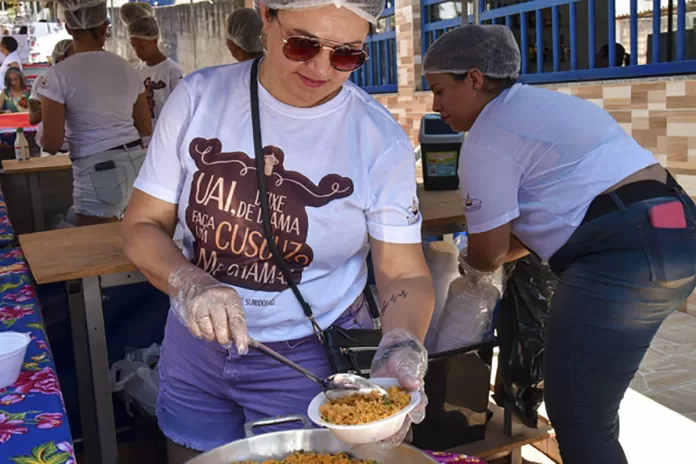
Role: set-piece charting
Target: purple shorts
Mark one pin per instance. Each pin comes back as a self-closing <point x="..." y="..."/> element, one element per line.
<point x="207" y="393"/>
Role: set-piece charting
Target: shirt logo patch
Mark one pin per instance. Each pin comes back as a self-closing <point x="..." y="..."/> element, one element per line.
<point x="471" y="204"/>
<point x="150" y="87"/>
<point x="224" y="215"/>
<point x="413" y="212"/>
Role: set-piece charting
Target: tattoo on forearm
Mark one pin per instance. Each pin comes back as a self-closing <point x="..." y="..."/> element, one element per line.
<point x="393" y="299"/>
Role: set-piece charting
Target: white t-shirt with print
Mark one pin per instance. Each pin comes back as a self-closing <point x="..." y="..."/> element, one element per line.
<point x="159" y="81"/>
<point x="336" y="174"/>
<point x="9" y="59"/>
<point x="98" y="90"/>
<point x="538" y="158"/>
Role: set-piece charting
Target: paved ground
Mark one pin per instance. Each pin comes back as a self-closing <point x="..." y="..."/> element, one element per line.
<point x="668" y="372"/>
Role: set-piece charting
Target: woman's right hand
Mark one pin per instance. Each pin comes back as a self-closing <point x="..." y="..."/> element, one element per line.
<point x="210" y="309"/>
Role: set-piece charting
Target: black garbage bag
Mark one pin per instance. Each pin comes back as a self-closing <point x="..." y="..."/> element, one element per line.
<point x="522" y="317"/>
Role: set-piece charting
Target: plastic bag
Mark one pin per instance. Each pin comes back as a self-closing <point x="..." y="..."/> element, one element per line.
<point x="442" y="261"/>
<point x="524" y="310"/>
<point x="468" y="314"/>
<point x="136" y="378"/>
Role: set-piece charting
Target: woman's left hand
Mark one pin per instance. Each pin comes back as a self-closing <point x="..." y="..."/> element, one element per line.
<point x="402" y="356"/>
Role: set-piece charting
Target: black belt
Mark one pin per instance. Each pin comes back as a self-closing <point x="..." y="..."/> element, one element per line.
<point x="133" y="144"/>
<point x="630" y="194"/>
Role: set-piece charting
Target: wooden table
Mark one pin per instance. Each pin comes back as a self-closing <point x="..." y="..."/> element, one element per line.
<point x="87" y="259"/>
<point x="442" y="211"/>
<point x="499" y="443"/>
<point x="32" y="168"/>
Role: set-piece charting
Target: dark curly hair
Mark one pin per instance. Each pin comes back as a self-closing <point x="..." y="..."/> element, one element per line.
<point x="9" y="43"/>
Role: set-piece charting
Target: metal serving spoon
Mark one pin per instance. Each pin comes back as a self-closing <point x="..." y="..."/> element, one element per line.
<point x="335" y="386"/>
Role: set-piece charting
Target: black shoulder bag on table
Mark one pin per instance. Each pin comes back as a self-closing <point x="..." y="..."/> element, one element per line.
<point x="348" y="350"/>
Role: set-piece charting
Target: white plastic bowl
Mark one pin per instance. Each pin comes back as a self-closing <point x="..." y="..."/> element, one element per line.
<point x="13" y="347"/>
<point x="364" y="433"/>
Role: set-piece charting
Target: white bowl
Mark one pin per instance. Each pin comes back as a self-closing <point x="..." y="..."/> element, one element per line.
<point x="364" y="433"/>
<point x="13" y="347"/>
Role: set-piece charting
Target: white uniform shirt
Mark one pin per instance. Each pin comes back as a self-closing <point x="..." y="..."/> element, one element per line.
<point x="159" y="82"/>
<point x="98" y="90"/>
<point x="339" y="172"/>
<point x="538" y="158"/>
<point x="39" y="128"/>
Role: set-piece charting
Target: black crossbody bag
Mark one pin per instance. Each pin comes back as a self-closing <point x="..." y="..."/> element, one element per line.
<point x="348" y="350"/>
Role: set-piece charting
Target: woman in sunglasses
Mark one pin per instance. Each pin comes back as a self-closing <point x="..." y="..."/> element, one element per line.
<point x="341" y="182"/>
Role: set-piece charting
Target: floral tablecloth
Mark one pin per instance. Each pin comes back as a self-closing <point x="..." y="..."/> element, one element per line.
<point x="33" y="423"/>
<point x="7" y="234"/>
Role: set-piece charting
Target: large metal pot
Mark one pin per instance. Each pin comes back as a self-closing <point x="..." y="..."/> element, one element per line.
<point x="280" y="444"/>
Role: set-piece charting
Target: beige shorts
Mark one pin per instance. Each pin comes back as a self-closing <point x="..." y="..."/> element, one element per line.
<point x="106" y="192"/>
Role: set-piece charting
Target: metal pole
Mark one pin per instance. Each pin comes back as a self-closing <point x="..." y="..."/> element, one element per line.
<point x="670" y="29"/>
<point x="477" y="11"/>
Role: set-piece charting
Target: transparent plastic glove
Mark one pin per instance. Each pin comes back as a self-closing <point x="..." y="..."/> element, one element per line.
<point x="476" y="278"/>
<point x="401" y="356"/>
<point x="209" y="309"/>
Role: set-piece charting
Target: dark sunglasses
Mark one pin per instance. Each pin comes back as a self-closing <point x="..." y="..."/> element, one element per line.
<point x="343" y="58"/>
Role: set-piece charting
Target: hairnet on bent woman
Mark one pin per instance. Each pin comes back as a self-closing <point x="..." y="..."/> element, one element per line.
<point x="144" y="28"/>
<point x="81" y="15"/>
<point x="492" y="49"/>
<point x="60" y="50"/>
<point x="369" y="10"/>
<point x="244" y="28"/>
<point x="133" y="11"/>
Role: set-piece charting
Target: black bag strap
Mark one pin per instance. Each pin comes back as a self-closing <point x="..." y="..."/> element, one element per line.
<point x="265" y="213"/>
<point x="263" y="198"/>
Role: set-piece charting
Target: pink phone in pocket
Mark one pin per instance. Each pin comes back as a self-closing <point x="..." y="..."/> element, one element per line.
<point x="668" y="216"/>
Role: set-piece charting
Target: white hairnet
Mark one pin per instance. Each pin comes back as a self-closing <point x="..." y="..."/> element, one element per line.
<point x="144" y="28"/>
<point x="81" y="15"/>
<point x="492" y="49"/>
<point x="133" y="11"/>
<point x="60" y="50"/>
<point x="244" y="28"/>
<point x="366" y="9"/>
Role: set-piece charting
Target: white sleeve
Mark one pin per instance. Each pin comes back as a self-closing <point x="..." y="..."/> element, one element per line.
<point x="393" y="215"/>
<point x="51" y="87"/>
<point x="175" y="76"/>
<point x="141" y="84"/>
<point x="490" y="183"/>
<point x="162" y="173"/>
<point x="34" y="95"/>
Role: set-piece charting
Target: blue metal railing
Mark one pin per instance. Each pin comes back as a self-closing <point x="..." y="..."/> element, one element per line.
<point x="379" y="74"/>
<point x="562" y="63"/>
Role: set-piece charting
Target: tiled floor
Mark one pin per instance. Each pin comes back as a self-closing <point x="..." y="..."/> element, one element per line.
<point x="668" y="372"/>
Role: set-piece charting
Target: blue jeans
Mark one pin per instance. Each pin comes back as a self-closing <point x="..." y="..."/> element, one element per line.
<point x="619" y="279"/>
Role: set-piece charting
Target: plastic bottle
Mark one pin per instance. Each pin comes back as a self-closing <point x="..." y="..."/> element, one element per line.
<point x="21" y="146"/>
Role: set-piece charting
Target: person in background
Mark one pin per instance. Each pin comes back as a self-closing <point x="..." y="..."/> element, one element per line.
<point x="337" y="163"/>
<point x="602" y="57"/>
<point x="244" y="28"/>
<point x="160" y="74"/>
<point x="97" y="102"/>
<point x="15" y="95"/>
<point x="61" y="51"/>
<point x="556" y="175"/>
<point x="8" y="47"/>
